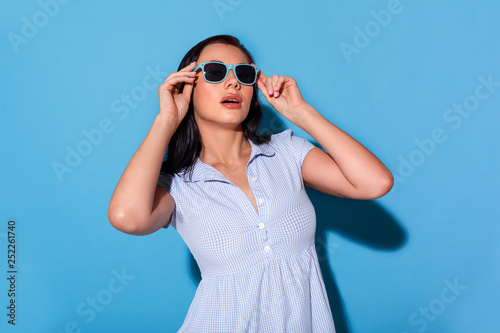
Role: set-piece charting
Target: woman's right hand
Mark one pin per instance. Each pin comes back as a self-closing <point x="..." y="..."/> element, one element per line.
<point x="172" y="103"/>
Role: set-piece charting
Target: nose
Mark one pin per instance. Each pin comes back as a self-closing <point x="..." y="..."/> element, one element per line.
<point x="231" y="80"/>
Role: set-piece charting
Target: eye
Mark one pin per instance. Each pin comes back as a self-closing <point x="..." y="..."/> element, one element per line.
<point x="214" y="72"/>
<point x="244" y="76"/>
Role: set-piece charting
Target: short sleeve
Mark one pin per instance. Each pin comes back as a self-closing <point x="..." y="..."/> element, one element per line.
<point x="165" y="181"/>
<point x="299" y="146"/>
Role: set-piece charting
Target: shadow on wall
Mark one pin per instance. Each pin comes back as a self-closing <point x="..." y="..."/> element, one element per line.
<point x="363" y="221"/>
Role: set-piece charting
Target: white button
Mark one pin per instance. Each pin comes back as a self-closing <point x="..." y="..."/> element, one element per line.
<point x="261" y="225"/>
<point x="267" y="248"/>
<point x="261" y="200"/>
<point x="254" y="179"/>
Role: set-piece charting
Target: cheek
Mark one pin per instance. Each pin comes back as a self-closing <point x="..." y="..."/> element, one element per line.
<point x="203" y="95"/>
<point x="249" y="95"/>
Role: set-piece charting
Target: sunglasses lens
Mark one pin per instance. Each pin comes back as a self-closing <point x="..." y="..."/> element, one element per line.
<point x="214" y="72"/>
<point x="246" y="74"/>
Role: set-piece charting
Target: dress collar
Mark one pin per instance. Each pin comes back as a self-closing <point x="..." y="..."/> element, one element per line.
<point x="205" y="172"/>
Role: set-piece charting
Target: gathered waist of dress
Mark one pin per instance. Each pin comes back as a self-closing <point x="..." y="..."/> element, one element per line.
<point x="307" y="254"/>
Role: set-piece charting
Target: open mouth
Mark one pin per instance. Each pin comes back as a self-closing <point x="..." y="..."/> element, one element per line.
<point x="231" y="99"/>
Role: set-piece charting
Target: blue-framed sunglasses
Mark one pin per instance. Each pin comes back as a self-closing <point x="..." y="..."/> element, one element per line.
<point x="216" y="72"/>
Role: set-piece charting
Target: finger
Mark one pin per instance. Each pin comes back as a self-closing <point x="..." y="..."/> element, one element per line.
<point x="264" y="90"/>
<point x="264" y="79"/>
<point x="278" y="87"/>
<point x="188" y="89"/>
<point x="189" y="68"/>
<point x="264" y="84"/>
<point x="270" y="87"/>
<point x="180" y="74"/>
<point x="262" y="87"/>
<point x="174" y="82"/>
<point x="177" y="80"/>
<point x="275" y="78"/>
<point x="261" y="75"/>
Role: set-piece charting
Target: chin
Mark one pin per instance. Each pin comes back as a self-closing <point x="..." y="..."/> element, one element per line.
<point x="233" y="115"/>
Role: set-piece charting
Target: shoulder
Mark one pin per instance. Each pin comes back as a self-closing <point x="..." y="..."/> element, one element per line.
<point x="165" y="180"/>
<point x="287" y="138"/>
<point x="287" y="141"/>
<point x="282" y="136"/>
<point x="168" y="182"/>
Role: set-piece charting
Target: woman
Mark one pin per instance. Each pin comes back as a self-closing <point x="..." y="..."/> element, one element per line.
<point x="238" y="198"/>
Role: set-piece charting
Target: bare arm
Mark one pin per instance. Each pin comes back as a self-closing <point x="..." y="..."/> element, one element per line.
<point x="137" y="205"/>
<point x="348" y="170"/>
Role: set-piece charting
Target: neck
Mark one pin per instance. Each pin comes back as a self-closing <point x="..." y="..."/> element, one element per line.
<point x="223" y="145"/>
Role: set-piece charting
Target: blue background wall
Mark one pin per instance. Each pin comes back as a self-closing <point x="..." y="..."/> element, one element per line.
<point x="417" y="82"/>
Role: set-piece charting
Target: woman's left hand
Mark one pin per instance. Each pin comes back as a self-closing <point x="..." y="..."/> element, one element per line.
<point x="282" y="93"/>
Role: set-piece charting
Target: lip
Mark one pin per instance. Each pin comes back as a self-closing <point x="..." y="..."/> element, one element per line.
<point x="232" y="96"/>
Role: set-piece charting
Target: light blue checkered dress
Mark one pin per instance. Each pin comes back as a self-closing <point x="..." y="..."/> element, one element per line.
<point x="260" y="270"/>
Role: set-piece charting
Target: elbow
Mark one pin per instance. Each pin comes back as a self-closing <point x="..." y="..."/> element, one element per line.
<point x="384" y="185"/>
<point x="117" y="219"/>
<point x="126" y="222"/>
<point x="376" y="188"/>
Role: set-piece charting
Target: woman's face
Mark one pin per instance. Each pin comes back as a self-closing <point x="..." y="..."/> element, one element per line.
<point x="208" y="97"/>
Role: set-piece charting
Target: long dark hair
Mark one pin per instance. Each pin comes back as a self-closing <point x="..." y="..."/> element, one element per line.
<point x="185" y="145"/>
